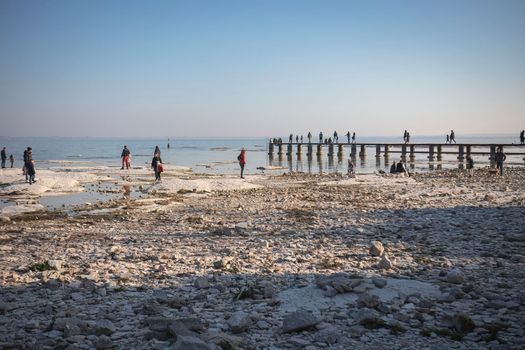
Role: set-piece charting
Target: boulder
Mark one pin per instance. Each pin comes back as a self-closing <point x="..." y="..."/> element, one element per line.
<point x="239" y="322"/>
<point x="455" y="276"/>
<point x="299" y="321"/>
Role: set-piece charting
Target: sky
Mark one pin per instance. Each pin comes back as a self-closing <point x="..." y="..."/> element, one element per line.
<point x="250" y="68"/>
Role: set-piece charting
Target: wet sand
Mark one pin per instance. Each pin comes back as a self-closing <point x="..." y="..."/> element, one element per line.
<point x="275" y="261"/>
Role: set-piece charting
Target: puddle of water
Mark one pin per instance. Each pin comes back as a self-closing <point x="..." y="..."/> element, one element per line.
<point x="92" y="194"/>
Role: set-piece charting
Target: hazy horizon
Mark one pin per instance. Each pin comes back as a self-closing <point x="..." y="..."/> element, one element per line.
<point x="261" y="68"/>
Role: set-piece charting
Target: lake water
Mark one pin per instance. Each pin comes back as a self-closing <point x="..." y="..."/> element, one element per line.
<point x="219" y="155"/>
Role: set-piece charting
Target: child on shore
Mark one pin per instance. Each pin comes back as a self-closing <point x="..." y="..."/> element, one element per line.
<point x="242" y="161"/>
<point x="11" y="160"/>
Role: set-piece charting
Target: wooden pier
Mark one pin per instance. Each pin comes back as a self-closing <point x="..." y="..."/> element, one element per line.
<point x="432" y="151"/>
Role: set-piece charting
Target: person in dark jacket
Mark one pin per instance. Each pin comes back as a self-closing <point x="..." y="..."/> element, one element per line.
<point x="156" y="164"/>
<point x="30" y="166"/>
<point x="353" y="137"/>
<point x="125" y="155"/>
<point x="309" y="137"/>
<point x="452" y="136"/>
<point x="470" y="165"/>
<point x="522" y="137"/>
<point x="12" y="160"/>
<point x="500" y="158"/>
<point x="28" y="154"/>
<point x="348" y="137"/>
<point x="393" y="168"/>
<point x="242" y="161"/>
<point x="4" y="157"/>
<point x="401" y="169"/>
<point x="321" y="137"/>
<point x="157" y="151"/>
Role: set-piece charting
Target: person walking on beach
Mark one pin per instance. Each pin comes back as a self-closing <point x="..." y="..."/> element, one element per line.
<point x="24" y="168"/>
<point x="12" y="160"/>
<point x="452" y="136"/>
<point x="500" y="158"/>
<point x="4" y="157"/>
<point x="321" y="137"/>
<point x="470" y="165"/>
<point x="125" y="157"/>
<point x="448" y="139"/>
<point x="353" y="137"/>
<point x="242" y="161"/>
<point x="309" y="137"/>
<point x="156" y="164"/>
<point x="348" y="137"/>
<point x="522" y="137"/>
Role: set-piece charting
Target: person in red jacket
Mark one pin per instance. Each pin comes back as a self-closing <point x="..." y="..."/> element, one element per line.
<point x="242" y="161"/>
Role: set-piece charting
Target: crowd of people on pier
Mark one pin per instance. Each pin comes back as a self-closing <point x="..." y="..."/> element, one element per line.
<point x="350" y="138"/>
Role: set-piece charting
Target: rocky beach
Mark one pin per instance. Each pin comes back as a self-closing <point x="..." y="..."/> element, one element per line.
<point x="276" y="261"/>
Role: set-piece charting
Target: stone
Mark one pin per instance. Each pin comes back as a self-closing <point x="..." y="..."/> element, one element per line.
<point x="103" y="342"/>
<point x="104" y="327"/>
<point x="463" y="323"/>
<point x="340" y="282"/>
<point x="239" y="322"/>
<point x="455" y="276"/>
<point x="379" y="282"/>
<point x="376" y="248"/>
<point x="55" y="264"/>
<point x="299" y="321"/>
<point x="368" y="300"/>
<point x="190" y="343"/>
<point x="202" y="283"/>
<point x="385" y="263"/>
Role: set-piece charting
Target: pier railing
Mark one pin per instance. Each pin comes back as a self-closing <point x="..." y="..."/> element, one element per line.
<point x="434" y="151"/>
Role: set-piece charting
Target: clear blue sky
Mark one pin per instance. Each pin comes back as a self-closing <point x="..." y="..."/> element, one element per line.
<point x="260" y="68"/>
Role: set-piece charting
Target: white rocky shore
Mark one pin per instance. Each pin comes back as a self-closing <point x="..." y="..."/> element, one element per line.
<point x="435" y="261"/>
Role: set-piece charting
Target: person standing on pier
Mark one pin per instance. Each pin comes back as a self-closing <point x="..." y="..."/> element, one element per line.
<point x="448" y="139"/>
<point x="4" y="157"/>
<point x="309" y="137"/>
<point x="290" y="138"/>
<point x="297" y="139"/>
<point x="408" y="137"/>
<point x="522" y="137"/>
<point x="125" y="158"/>
<point x="321" y="137"/>
<point x="348" y="137"/>
<point x="336" y="137"/>
<point x="500" y="158"/>
<point x="452" y="136"/>
<point x="405" y="136"/>
<point x="301" y="138"/>
<point x="242" y="161"/>
<point x="353" y="137"/>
